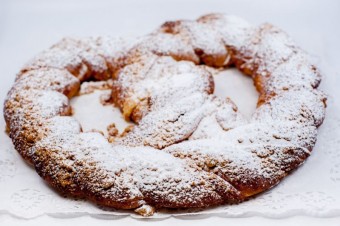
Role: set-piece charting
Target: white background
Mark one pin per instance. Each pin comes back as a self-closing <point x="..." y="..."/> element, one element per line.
<point x="27" y="27"/>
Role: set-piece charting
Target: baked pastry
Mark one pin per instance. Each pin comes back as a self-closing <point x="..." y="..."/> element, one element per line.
<point x="188" y="148"/>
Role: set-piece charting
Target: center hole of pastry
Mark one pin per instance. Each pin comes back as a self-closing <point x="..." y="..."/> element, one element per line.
<point x="239" y="88"/>
<point x="93" y="115"/>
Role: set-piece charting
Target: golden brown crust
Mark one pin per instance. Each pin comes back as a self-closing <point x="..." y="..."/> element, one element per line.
<point x="27" y="122"/>
<point x="189" y="147"/>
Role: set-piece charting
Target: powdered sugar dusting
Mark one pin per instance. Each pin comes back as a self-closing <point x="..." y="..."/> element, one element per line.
<point x="188" y="147"/>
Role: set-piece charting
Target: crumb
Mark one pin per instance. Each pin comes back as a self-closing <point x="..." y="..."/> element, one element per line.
<point x="145" y="210"/>
<point x="112" y="130"/>
<point x="105" y="99"/>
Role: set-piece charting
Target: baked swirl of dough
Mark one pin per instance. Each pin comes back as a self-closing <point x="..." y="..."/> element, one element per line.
<point x="189" y="148"/>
